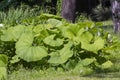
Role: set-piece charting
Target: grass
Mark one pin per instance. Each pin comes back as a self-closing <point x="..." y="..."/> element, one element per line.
<point x="14" y="16"/>
<point x="23" y="74"/>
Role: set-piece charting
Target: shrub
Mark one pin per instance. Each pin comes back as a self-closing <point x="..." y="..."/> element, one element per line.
<point x="51" y="41"/>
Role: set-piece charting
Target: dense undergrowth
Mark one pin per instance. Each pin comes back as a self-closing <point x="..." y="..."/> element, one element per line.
<point x="12" y="12"/>
<point x="48" y="41"/>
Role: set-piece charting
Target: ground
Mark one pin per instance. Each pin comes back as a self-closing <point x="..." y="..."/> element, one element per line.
<point x="26" y="74"/>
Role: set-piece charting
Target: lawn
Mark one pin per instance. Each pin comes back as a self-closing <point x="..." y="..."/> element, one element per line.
<point x="23" y="74"/>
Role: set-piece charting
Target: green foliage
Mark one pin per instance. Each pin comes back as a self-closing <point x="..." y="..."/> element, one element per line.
<point x="15" y="33"/>
<point x="3" y="64"/>
<point x="26" y="50"/>
<point x="3" y="73"/>
<point x="83" y="66"/>
<point x="61" y="56"/>
<point x="48" y="16"/>
<point x="97" y="45"/>
<point x="106" y="64"/>
<point x="53" y="42"/>
<point x="3" y="60"/>
<point x="82" y="47"/>
<point x="15" y="16"/>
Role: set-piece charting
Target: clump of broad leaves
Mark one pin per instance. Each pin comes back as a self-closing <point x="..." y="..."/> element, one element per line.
<point x="81" y="47"/>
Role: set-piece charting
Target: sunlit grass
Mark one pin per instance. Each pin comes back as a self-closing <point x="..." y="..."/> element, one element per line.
<point x="23" y="74"/>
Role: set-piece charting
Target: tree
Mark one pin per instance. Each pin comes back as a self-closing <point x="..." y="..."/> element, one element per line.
<point x="115" y="5"/>
<point x="69" y="9"/>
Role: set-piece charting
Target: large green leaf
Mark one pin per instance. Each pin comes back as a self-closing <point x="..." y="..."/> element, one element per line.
<point x="83" y="66"/>
<point x="62" y="55"/>
<point x="106" y="65"/>
<point x="94" y="47"/>
<point x="77" y="33"/>
<point x="88" y="24"/>
<point x="26" y="50"/>
<point x="84" y="37"/>
<point x="72" y="31"/>
<point x="12" y="33"/>
<point x="37" y="29"/>
<point x="87" y="61"/>
<point x="3" y="60"/>
<point x="52" y="42"/>
<point x="54" y="22"/>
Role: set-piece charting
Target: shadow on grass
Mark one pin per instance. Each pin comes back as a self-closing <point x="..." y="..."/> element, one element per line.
<point x="106" y="75"/>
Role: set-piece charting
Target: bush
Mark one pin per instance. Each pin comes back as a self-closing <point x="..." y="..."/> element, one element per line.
<point x="50" y="41"/>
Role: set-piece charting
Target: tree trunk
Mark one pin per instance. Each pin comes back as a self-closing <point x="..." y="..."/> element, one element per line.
<point x="115" y="5"/>
<point x="69" y="9"/>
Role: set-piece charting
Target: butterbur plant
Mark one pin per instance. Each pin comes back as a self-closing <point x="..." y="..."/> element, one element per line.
<point x="76" y="47"/>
